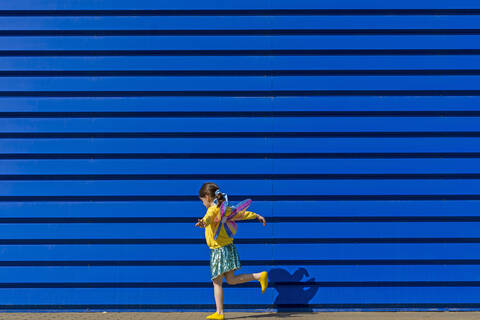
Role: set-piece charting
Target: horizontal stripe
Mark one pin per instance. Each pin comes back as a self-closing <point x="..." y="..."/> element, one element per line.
<point x="225" y="114"/>
<point x="245" y="5"/>
<point x="365" y="155"/>
<point x="240" y="12"/>
<point x="342" y="262"/>
<point x="300" y="52"/>
<point x="244" y="42"/>
<point x="246" y="32"/>
<point x="141" y="65"/>
<point x="262" y="93"/>
<point x="272" y="284"/>
<point x="294" y="219"/>
<point x="233" y="104"/>
<point x="257" y="189"/>
<point x="418" y="197"/>
<point x="273" y="233"/>
<point x="250" y="126"/>
<point x="175" y="254"/>
<point x="237" y="241"/>
<point x="304" y="85"/>
<point x="206" y="85"/>
<point x="281" y="307"/>
<point x="333" y="211"/>
<point x="140" y="73"/>
<point x="241" y="22"/>
<point x="329" y="295"/>
<point x="237" y="167"/>
<point x="78" y="135"/>
<point x="403" y="176"/>
<point x="352" y="273"/>
<point x="254" y="145"/>
<point x="273" y="52"/>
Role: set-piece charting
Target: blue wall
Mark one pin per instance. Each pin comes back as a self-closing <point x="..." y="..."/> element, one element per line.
<point x="353" y="125"/>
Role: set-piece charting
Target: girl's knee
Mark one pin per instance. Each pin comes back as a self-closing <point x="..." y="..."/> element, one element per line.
<point x="218" y="280"/>
<point x="230" y="278"/>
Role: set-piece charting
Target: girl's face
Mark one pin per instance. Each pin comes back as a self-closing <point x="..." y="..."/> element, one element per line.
<point x="207" y="201"/>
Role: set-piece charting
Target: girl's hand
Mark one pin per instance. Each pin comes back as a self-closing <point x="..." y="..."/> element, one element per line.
<point x="200" y="223"/>
<point x="262" y="219"/>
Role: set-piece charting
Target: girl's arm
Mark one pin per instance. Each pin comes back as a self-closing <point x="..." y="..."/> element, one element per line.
<point x="207" y="219"/>
<point x="252" y="215"/>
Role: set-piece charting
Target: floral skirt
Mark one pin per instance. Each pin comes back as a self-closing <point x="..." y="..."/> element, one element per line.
<point x="224" y="259"/>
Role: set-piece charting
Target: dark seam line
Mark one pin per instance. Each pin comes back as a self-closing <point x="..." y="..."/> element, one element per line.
<point x="213" y="73"/>
<point x="347" y="219"/>
<point x="204" y="263"/>
<point x="238" y="12"/>
<point x="379" y="134"/>
<point x="123" y="198"/>
<point x="281" y="307"/>
<point x="288" y="52"/>
<point x="366" y="176"/>
<point x="234" y="114"/>
<point x="264" y="156"/>
<point x="322" y="284"/>
<point x="239" y="241"/>
<point x="234" y="32"/>
<point x="242" y="93"/>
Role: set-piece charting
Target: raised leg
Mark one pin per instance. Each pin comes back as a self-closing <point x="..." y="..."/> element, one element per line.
<point x="241" y="278"/>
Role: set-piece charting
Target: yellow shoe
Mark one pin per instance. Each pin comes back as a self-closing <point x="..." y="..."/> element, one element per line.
<point x="216" y="316"/>
<point x="263" y="280"/>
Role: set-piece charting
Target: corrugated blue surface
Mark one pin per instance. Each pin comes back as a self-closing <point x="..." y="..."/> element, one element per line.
<point x="352" y="125"/>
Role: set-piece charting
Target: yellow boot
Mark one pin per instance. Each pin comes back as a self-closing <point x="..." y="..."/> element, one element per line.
<point x="263" y="280"/>
<point x="216" y="316"/>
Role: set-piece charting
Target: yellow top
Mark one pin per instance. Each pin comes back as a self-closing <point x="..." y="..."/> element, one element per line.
<point x="210" y="226"/>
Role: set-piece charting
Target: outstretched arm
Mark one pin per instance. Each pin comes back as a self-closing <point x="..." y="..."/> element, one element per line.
<point x="252" y="215"/>
<point x="207" y="219"/>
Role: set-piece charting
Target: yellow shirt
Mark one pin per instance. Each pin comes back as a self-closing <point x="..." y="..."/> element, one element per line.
<point x="210" y="226"/>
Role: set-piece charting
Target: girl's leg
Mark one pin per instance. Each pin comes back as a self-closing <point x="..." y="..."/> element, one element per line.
<point x="218" y="292"/>
<point x="240" y="278"/>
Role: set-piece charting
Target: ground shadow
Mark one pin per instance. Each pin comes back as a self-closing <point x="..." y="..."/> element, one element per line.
<point x="294" y="294"/>
<point x="292" y="297"/>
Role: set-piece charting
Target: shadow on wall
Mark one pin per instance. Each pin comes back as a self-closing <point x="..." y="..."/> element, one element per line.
<point x="290" y="296"/>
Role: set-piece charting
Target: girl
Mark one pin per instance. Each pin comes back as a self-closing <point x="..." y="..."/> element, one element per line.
<point x="224" y="258"/>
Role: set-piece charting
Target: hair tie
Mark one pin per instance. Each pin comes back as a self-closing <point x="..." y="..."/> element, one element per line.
<point x="224" y="195"/>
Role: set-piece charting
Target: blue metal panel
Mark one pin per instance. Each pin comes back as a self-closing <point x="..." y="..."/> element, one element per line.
<point x="243" y="42"/>
<point x="308" y="232"/>
<point x="232" y="5"/>
<point x="199" y="274"/>
<point x="338" y="104"/>
<point x="408" y="64"/>
<point x="353" y="125"/>
<point x="175" y="254"/>
<point x="152" y="169"/>
<point x="242" y="22"/>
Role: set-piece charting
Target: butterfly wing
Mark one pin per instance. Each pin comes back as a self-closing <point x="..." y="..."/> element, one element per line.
<point x="223" y="208"/>
<point x="231" y="228"/>
<point x="239" y="210"/>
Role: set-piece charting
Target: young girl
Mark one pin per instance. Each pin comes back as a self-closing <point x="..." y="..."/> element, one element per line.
<point x="224" y="258"/>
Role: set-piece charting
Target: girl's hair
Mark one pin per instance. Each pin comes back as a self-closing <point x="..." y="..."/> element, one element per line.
<point x="209" y="188"/>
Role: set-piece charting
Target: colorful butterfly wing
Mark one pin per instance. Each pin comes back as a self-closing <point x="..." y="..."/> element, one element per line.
<point x="223" y="208"/>
<point x="231" y="228"/>
<point x="217" y="232"/>
<point x="239" y="210"/>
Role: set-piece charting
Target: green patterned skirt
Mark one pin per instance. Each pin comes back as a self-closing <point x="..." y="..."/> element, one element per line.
<point x="223" y="259"/>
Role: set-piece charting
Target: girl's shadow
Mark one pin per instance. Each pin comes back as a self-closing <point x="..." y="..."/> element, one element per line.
<point x="292" y="296"/>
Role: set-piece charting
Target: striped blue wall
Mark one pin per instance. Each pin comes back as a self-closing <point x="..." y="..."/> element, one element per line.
<point x="353" y="125"/>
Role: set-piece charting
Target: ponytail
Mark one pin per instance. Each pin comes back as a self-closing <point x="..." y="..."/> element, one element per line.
<point x="213" y="191"/>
